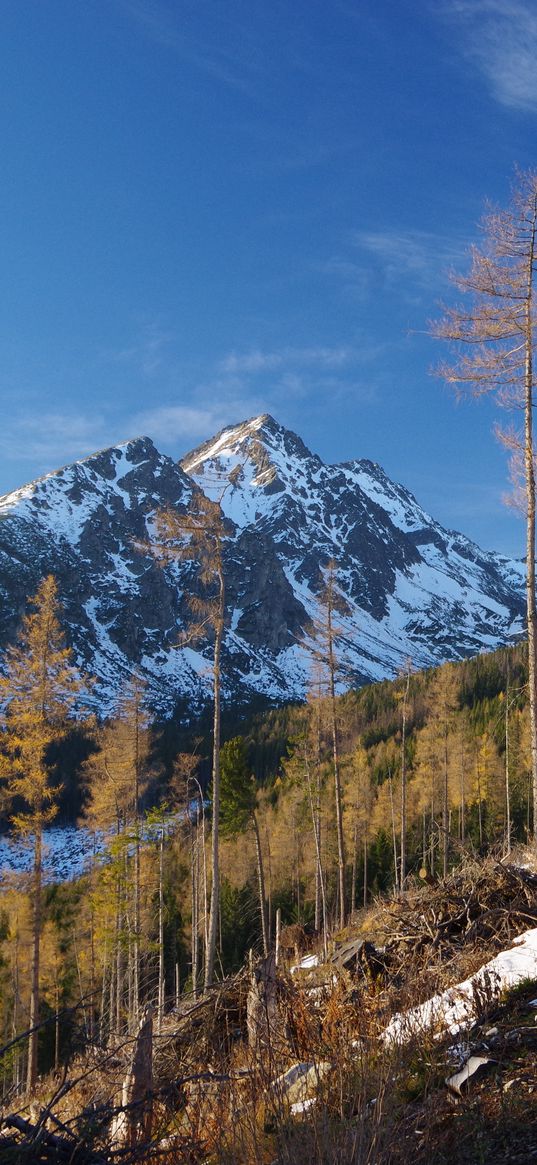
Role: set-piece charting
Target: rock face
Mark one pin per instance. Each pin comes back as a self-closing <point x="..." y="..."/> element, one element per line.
<point x="410" y="587"/>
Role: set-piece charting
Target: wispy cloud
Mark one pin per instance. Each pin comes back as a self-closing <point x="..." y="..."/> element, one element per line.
<point x="52" y="438"/>
<point x="235" y="62"/>
<point x="256" y="361"/>
<point x="187" y="423"/>
<point x="246" y="383"/>
<point x="195" y="404"/>
<point x="500" y="37"/>
<point x="419" y="258"/>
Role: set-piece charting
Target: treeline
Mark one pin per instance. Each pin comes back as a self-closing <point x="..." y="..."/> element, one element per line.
<point x="321" y="807"/>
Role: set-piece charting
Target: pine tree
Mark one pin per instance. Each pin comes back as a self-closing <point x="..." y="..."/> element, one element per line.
<point x="38" y="691"/>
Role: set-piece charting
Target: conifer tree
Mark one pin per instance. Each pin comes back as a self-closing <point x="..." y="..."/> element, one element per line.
<point x="118" y="779"/>
<point x="362" y="802"/>
<point x="238" y="802"/>
<point x="435" y="746"/>
<point x="494" y="336"/>
<point x="38" y="691"/>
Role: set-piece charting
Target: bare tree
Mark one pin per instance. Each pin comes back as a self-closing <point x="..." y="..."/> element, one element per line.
<point x="494" y="335"/>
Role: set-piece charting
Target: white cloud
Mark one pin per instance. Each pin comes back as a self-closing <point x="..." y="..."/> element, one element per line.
<point x="253" y="362"/>
<point x="418" y="257"/>
<point x="185" y="423"/>
<point x="257" y="361"/>
<point x="239" y="385"/>
<point x="51" y="435"/>
<point x="500" y="37"/>
<point x="175" y="422"/>
<point x="45" y="441"/>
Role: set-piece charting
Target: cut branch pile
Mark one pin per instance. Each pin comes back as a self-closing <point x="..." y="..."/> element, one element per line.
<point x="203" y="1031"/>
<point x="479" y="907"/>
<point x="34" y="1144"/>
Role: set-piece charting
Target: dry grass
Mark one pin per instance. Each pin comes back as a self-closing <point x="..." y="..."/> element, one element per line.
<point x="215" y="1101"/>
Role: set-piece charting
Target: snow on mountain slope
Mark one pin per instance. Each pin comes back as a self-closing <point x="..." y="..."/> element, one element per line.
<point x="85" y="524"/>
<point x="410" y="587"/>
<point x="89" y="524"/>
<point x="413" y="588"/>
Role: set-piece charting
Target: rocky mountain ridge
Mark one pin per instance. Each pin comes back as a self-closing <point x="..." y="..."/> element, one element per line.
<point x="410" y="588"/>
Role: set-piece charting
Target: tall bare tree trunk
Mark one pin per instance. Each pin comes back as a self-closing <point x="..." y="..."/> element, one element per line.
<point x="507" y="772"/>
<point x="261" y="887"/>
<point x="402" y="859"/>
<point x="160" y="1010"/>
<point x="365" y="869"/>
<point x="354" y="867"/>
<point x="31" y="1075"/>
<point x="529" y="464"/>
<point x="316" y="822"/>
<point x="335" y="745"/>
<point x="137" y="706"/>
<point x="195" y="887"/>
<point x="445" y="808"/>
<point x="320" y="908"/>
<point x="119" y="957"/>
<point x="462" y="796"/>
<point x="215" y="884"/>
<point x="394" y="834"/>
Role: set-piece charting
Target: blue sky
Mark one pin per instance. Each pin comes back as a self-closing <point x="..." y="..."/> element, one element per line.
<point x="215" y="208"/>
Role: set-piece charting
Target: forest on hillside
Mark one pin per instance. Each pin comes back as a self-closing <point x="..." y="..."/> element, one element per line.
<point x="321" y="808"/>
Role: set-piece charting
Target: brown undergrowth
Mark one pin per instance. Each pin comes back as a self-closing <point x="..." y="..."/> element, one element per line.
<point x="319" y="1086"/>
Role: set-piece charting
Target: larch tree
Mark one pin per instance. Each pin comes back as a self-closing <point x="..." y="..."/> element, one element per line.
<point x="118" y="777"/>
<point x="436" y="744"/>
<point x="494" y="335"/>
<point x="361" y="802"/>
<point x="118" y="782"/>
<point x="199" y="536"/>
<point x="38" y="691"/>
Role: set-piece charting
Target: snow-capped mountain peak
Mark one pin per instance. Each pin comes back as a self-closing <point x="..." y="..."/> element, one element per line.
<point x="411" y="588"/>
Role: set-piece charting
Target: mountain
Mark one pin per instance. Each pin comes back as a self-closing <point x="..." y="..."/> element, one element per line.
<point x="410" y="587"/>
<point x="90" y="524"/>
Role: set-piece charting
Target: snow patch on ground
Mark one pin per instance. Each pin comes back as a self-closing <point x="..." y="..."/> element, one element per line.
<point x="457" y="1008"/>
